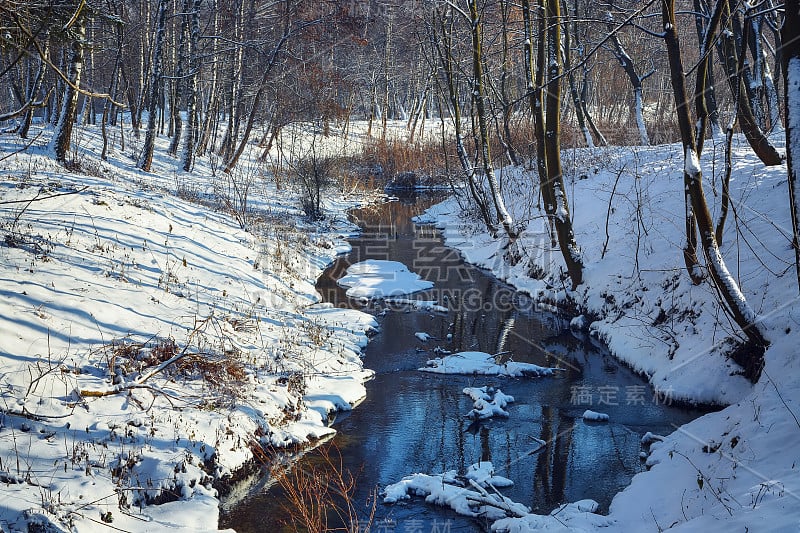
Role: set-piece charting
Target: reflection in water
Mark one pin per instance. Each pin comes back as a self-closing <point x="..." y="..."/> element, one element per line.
<point x="415" y="422"/>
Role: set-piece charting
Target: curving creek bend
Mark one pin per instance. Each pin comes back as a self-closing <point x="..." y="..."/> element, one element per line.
<point x="415" y="422"/>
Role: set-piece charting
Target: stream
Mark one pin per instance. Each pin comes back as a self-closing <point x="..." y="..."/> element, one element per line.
<point x="415" y="422"/>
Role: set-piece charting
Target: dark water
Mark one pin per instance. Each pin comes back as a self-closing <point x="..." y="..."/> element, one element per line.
<point x="415" y="422"/>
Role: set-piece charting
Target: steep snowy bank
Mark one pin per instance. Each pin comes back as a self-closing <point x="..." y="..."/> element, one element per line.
<point x="726" y="470"/>
<point x="109" y="275"/>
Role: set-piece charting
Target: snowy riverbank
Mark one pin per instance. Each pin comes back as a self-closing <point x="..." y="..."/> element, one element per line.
<point x="111" y="274"/>
<point x="729" y="470"/>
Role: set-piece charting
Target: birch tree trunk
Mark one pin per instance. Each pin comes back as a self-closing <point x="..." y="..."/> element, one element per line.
<point x="191" y="89"/>
<point x="180" y="73"/>
<point x="146" y="158"/>
<point x="60" y="143"/>
<point x="211" y="107"/>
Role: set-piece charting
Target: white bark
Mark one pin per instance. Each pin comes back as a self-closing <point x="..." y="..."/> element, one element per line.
<point x="588" y="136"/>
<point x="146" y="158"/>
<point x="60" y="143"/>
<point x="191" y="104"/>
<point x="644" y="139"/>
<point x="772" y="98"/>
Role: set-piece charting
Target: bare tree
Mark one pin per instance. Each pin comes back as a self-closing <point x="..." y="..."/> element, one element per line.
<point x="60" y="143"/>
<point x="790" y="56"/>
<point x="733" y="63"/>
<point x="479" y="94"/>
<point x="146" y="158"/>
<point x="626" y="62"/>
<point x="730" y="295"/>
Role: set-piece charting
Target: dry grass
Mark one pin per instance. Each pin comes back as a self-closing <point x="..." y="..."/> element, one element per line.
<point x="386" y="158"/>
<point x="319" y="494"/>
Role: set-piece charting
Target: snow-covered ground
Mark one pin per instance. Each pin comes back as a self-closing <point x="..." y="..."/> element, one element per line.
<point x="154" y="335"/>
<point x="733" y="470"/>
<point x="111" y="274"/>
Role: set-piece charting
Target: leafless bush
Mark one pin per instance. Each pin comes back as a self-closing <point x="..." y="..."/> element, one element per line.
<point x="312" y="170"/>
<point x="319" y="494"/>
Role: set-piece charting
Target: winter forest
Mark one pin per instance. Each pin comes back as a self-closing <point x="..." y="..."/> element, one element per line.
<point x="407" y="265"/>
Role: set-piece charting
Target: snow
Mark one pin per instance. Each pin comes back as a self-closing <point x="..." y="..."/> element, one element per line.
<point x="452" y="490"/>
<point x="467" y="495"/>
<point x="114" y="272"/>
<point x="422" y="336"/>
<point x="691" y="165"/>
<point x="488" y="402"/>
<point x="639" y="300"/>
<point x="377" y="278"/>
<point x="579" y="323"/>
<point x="594" y="416"/>
<point x="572" y="517"/>
<point x="482" y="363"/>
<point x="420" y="305"/>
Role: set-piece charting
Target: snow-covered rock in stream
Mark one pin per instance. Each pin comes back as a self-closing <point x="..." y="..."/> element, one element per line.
<point x="488" y="402"/>
<point x="482" y="363"/>
<point x="594" y="416"/>
<point x="377" y="278"/>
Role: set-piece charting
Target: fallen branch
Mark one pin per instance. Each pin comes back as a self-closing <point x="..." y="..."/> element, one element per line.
<point x="20" y="150"/>
<point x="486" y="499"/>
<point x="31" y="416"/>
<point x="139" y="383"/>
<point x="38" y="198"/>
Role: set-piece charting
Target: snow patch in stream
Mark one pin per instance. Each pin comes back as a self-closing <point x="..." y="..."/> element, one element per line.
<point x="375" y="278"/>
<point x="483" y="363"/>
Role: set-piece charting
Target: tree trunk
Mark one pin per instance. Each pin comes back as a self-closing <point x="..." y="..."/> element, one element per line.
<point x="262" y="87"/>
<point x="629" y="68"/>
<point x="211" y="107"/>
<point x="730" y="295"/>
<point x="747" y="120"/>
<point x="60" y="144"/>
<point x="559" y="210"/>
<point x="146" y="158"/>
<point x="535" y="82"/>
<point x="573" y="89"/>
<point x="191" y="89"/>
<point x="35" y="87"/>
<point x="233" y="90"/>
<point x="480" y="108"/>
<point x="444" y="51"/>
<point x="180" y="72"/>
<point x="107" y="106"/>
<point x="589" y="119"/>
<point x="704" y="101"/>
<point x="790" y="36"/>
